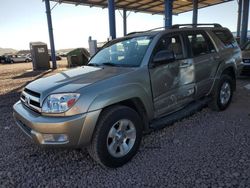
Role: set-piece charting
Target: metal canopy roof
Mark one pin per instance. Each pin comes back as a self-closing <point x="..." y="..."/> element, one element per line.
<point x="147" y="6"/>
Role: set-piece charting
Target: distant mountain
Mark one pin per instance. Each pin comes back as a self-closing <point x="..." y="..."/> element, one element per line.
<point x="64" y="51"/>
<point x="13" y="51"/>
<point x="7" y="51"/>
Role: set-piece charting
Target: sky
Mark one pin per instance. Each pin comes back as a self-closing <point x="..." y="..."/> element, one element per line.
<point x="22" y="22"/>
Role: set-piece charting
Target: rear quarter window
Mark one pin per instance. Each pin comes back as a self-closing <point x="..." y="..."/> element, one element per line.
<point x="200" y="44"/>
<point x="226" y="38"/>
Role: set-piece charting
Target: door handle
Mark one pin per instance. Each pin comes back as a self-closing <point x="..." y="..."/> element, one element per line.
<point x="216" y="57"/>
<point x="185" y="64"/>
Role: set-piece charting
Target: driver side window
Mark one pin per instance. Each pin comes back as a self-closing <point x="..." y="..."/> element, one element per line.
<point x="171" y="43"/>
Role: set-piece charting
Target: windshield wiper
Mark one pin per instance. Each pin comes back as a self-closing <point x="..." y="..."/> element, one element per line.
<point x="109" y="64"/>
<point x="93" y="64"/>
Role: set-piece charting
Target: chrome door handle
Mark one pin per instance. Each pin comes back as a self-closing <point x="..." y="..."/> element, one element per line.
<point x="217" y="57"/>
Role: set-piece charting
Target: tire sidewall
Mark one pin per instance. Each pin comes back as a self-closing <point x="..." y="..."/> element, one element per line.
<point x="105" y="126"/>
<point x="228" y="79"/>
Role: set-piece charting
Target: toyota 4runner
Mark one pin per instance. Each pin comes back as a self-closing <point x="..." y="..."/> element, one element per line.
<point x="141" y="82"/>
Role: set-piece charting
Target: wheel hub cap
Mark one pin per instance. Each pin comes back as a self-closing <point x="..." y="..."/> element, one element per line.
<point x="225" y="93"/>
<point x="121" y="138"/>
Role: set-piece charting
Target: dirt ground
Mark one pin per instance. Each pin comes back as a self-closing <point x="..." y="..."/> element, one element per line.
<point x="208" y="149"/>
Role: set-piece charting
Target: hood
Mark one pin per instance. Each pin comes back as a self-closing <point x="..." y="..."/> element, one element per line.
<point x="74" y="79"/>
<point x="246" y="54"/>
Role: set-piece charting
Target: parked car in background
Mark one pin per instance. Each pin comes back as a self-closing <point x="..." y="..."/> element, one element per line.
<point x="5" y="58"/>
<point x="246" y="59"/>
<point x="58" y="58"/>
<point x="2" y="59"/>
<point x="134" y="84"/>
<point x="18" y="59"/>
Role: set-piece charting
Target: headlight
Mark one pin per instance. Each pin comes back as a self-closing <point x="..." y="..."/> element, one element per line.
<point x="59" y="103"/>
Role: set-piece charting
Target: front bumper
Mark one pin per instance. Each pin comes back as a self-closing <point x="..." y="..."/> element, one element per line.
<point x="78" y="128"/>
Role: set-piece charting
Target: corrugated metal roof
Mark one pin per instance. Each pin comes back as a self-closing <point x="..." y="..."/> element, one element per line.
<point x="147" y="6"/>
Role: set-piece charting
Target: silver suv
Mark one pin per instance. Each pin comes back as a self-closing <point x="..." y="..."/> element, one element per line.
<point x="141" y="82"/>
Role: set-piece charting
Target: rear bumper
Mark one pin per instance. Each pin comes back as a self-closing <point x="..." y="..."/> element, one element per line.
<point x="78" y="128"/>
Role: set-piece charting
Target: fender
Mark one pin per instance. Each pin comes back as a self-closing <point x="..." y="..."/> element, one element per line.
<point x="222" y="67"/>
<point x="122" y="93"/>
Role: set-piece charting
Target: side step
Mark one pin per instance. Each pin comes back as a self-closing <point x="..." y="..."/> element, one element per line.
<point x="189" y="110"/>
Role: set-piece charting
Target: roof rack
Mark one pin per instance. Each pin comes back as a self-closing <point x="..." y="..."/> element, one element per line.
<point x="135" y="32"/>
<point x="177" y="26"/>
<point x="145" y="31"/>
<point x="157" y="28"/>
<point x="196" y="25"/>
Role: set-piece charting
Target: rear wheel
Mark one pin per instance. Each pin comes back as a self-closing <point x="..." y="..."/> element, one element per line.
<point x="223" y="93"/>
<point x="117" y="136"/>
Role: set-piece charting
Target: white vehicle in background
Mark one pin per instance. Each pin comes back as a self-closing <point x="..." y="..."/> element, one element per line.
<point x="19" y="58"/>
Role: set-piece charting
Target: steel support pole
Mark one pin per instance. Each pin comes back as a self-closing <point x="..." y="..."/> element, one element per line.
<point x="112" y="27"/>
<point x="124" y="22"/>
<point x="168" y="13"/>
<point x="195" y="11"/>
<point x="239" y="18"/>
<point x="244" y="24"/>
<point x="51" y="36"/>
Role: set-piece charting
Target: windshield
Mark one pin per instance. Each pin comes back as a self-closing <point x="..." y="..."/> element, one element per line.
<point x="126" y="53"/>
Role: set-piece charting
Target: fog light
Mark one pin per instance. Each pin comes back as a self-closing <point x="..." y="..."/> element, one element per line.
<point x="55" y="138"/>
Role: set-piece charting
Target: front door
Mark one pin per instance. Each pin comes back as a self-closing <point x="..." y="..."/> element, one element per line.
<point x="172" y="83"/>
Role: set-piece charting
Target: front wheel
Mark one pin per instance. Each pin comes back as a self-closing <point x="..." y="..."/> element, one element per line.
<point x="117" y="136"/>
<point x="223" y="93"/>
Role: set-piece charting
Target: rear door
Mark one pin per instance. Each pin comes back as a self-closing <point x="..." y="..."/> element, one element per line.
<point x="21" y="58"/>
<point x="172" y="83"/>
<point x="203" y="52"/>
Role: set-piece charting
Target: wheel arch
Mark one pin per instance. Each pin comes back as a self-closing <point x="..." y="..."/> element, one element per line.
<point x="231" y="72"/>
<point x="135" y="104"/>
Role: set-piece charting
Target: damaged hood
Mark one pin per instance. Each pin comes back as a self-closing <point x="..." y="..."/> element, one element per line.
<point x="74" y="79"/>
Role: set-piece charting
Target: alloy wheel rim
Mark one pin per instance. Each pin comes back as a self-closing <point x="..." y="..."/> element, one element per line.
<point x="121" y="138"/>
<point x="225" y="93"/>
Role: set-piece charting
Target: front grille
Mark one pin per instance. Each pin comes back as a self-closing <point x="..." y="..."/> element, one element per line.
<point x="31" y="99"/>
<point x="33" y="93"/>
<point x="34" y="103"/>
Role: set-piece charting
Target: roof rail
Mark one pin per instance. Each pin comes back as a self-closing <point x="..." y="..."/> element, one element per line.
<point x="177" y="26"/>
<point x="135" y="32"/>
<point x="155" y="29"/>
<point x="196" y="25"/>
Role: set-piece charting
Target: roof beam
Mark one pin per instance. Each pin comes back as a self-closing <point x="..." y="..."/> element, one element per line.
<point x="153" y="6"/>
<point x="180" y="6"/>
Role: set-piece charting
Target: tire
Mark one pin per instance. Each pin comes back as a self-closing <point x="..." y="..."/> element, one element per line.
<point x="11" y="62"/>
<point x="111" y="121"/>
<point x="27" y="61"/>
<point x="223" y="93"/>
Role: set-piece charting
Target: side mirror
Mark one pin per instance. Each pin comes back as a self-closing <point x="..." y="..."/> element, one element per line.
<point x="164" y="56"/>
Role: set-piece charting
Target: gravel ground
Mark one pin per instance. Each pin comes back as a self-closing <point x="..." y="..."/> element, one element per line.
<point x="208" y="149"/>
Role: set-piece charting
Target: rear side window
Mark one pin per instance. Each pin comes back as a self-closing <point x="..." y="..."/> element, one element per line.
<point x="226" y="38"/>
<point x="200" y="44"/>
